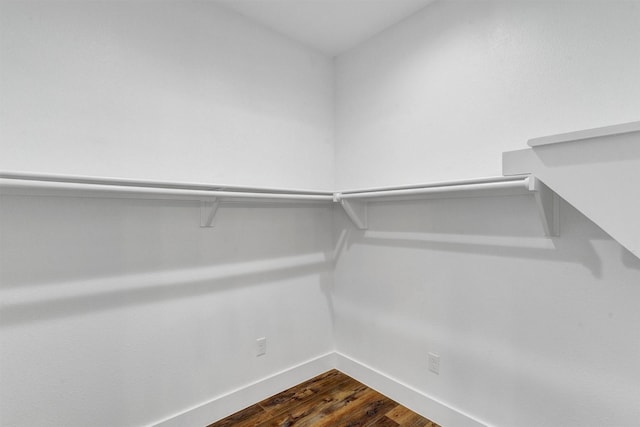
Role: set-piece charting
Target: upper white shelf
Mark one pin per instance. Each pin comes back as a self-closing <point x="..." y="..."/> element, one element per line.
<point x="581" y="135"/>
<point x="597" y="171"/>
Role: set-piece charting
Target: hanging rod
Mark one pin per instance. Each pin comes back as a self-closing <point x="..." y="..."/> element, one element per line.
<point x="208" y="195"/>
<point x="469" y="188"/>
<point x="51" y="187"/>
<point x="15" y="182"/>
<point x="124" y="182"/>
<point x="354" y="202"/>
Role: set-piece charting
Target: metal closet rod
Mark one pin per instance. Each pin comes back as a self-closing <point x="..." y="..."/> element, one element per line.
<point x="12" y="182"/>
<point x="125" y="182"/>
<point x="18" y="185"/>
<point x="30" y="183"/>
<point x="520" y="184"/>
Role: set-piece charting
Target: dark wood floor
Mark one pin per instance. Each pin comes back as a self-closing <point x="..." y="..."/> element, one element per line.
<point x="332" y="399"/>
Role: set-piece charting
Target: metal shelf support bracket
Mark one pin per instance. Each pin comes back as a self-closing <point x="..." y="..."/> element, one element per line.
<point x="208" y="209"/>
<point x="548" y="206"/>
<point x="355" y="210"/>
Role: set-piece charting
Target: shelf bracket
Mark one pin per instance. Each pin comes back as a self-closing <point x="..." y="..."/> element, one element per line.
<point x="548" y="206"/>
<point x="208" y="209"/>
<point x="356" y="211"/>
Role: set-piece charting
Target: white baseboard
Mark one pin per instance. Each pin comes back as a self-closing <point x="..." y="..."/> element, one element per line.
<point x="408" y="396"/>
<point x="229" y="403"/>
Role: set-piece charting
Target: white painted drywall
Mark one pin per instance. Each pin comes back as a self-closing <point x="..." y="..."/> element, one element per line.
<point x="330" y="26"/>
<point x="161" y="90"/>
<point x="126" y="312"/>
<point x="530" y="331"/>
<point x="441" y="95"/>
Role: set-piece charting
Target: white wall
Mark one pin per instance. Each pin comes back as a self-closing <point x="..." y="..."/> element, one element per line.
<point x="531" y="331"/>
<point x="441" y="95"/>
<point x="161" y="90"/>
<point x="125" y="312"/>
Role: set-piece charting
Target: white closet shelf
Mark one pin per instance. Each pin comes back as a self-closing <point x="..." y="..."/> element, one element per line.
<point x="586" y="134"/>
<point x="354" y="202"/>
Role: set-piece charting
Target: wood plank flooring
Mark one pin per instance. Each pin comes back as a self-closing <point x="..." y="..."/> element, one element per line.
<point x="332" y="399"/>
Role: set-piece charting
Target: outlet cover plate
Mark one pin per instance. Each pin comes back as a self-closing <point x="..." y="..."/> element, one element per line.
<point x="434" y="363"/>
<point x="261" y="346"/>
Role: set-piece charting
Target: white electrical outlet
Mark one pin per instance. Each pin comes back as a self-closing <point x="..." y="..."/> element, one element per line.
<point x="434" y="363"/>
<point x="261" y="346"/>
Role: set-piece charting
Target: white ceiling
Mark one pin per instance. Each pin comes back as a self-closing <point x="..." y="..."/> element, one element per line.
<point x="331" y="26"/>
